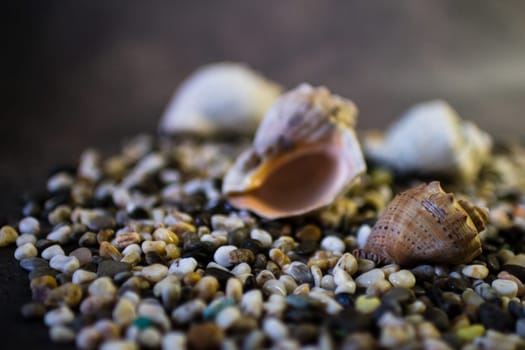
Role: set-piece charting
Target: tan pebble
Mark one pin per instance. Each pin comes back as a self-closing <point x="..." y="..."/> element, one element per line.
<point x="93" y="305"/>
<point x="367" y="278"/>
<point x="365" y="265"/>
<point x="68" y="294"/>
<point x="172" y="252"/>
<point x="234" y="289"/>
<point x="378" y="288"/>
<point x="155" y="272"/>
<point x="82" y="276"/>
<point x="390" y="269"/>
<point x="308" y="233"/>
<point x="461" y="321"/>
<point x="348" y="263"/>
<point x="476" y="271"/>
<point x="8" y="236"/>
<point x="302" y="289"/>
<point x="426" y="330"/>
<point x="132" y="258"/>
<point x="107" y="250"/>
<point x="88" y="338"/>
<point x="241" y="255"/>
<point x="105" y="235"/>
<point x="168" y="236"/>
<point x="124" y="312"/>
<point x="158" y="247"/>
<point x="61" y="334"/>
<point x="108" y="329"/>
<point x="403" y="279"/>
<point x="44" y="282"/>
<point x="207" y="287"/>
<point x="103" y="286"/>
<point x="179" y="228"/>
<point x="125" y="239"/>
<point x="279" y="257"/>
<point x="191" y="278"/>
<point x="205" y="336"/>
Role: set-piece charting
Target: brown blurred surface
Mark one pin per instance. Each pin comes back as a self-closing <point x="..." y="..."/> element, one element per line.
<point x="83" y="73"/>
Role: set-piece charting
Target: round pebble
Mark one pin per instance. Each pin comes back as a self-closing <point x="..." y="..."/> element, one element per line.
<point x="27" y="250"/>
<point x="506" y="288"/>
<point x="367" y="278"/>
<point x="29" y="225"/>
<point x="475" y="271"/>
<point x="66" y="264"/>
<point x="402" y="279"/>
<point x="333" y="244"/>
<point x="155" y="272"/>
<point x="222" y="255"/>
<point x="8" y="236"/>
<point x="52" y="251"/>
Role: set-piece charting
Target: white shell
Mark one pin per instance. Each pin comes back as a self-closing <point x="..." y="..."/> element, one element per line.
<point x="220" y="98"/>
<point x="304" y="155"/>
<point x="431" y="139"/>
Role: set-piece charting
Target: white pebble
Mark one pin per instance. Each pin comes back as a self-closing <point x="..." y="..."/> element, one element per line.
<point x="27" y="250"/>
<point x="25" y="238"/>
<point x="154" y="312"/>
<point x="275" y="329"/>
<point x="155" y="272"/>
<point x="52" y="251"/>
<point x="333" y="244"/>
<point x="275" y="305"/>
<point x="262" y="236"/>
<point x="181" y="267"/>
<point x="362" y="235"/>
<point x="29" y="225"/>
<point x="347" y="287"/>
<point x="174" y="341"/>
<point x="102" y="287"/>
<point x="186" y="312"/>
<point x="66" y="264"/>
<point x="88" y="338"/>
<point x="118" y="345"/>
<point x="59" y="181"/>
<point x="61" y="234"/>
<point x="505" y="288"/>
<point x="347" y="262"/>
<point x="124" y="312"/>
<point x="234" y="289"/>
<point x="367" y="278"/>
<point x="252" y="303"/>
<point x="222" y="255"/>
<point x="273" y="286"/>
<point x="150" y="338"/>
<point x="403" y="279"/>
<point x="83" y="276"/>
<point x="59" y="316"/>
<point x="227" y="317"/>
<point x="132" y="248"/>
<point x="476" y="271"/>
<point x="241" y="269"/>
<point x="61" y="334"/>
<point x="228" y="223"/>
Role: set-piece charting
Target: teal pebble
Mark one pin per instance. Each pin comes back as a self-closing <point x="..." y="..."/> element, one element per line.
<point x="217" y="306"/>
<point x="142" y="322"/>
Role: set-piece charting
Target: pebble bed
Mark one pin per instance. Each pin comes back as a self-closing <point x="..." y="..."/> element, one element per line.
<point x="140" y="250"/>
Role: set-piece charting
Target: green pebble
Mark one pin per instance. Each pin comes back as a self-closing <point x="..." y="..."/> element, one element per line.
<point x="467" y="334"/>
<point x="367" y="305"/>
<point x="142" y="322"/>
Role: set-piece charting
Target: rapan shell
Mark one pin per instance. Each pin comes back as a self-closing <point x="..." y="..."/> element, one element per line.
<point x="426" y="225"/>
<point x="304" y="155"/>
<point x="220" y="98"/>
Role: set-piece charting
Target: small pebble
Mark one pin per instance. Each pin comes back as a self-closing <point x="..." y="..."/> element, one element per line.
<point x="366" y="304"/>
<point x="33" y="310"/>
<point x="25" y="238"/>
<point x="467" y="334"/>
<point x="61" y="334"/>
<point x="27" y="250"/>
<point x="506" y="288"/>
<point x="150" y="338"/>
<point x="204" y="336"/>
<point x="403" y="279"/>
<point x="333" y="244"/>
<point x="262" y="236"/>
<point x="155" y="272"/>
<point x="367" y="278"/>
<point x="8" y="236"/>
<point x="227" y="317"/>
<point x="52" y="251"/>
<point x="66" y="264"/>
<point x="275" y="329"/>
<point x="102" y="287"/>
<point x="82" y="276"/>
<point x="222" y="255"/>
<point x="29" y="225"/>
<point x="475" y="271"/>
<point x="60" y="316"/>
<point x="174" y="340"/>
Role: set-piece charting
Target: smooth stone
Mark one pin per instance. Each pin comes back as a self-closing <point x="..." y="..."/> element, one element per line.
<point x="83" y="255"/>
<point x="494" y="317"/>
<point x="299" y="272"/>
<point x="367" y="278"/>
<point x="33" y="263"/>
<point x="515" y="270"/>
<point x="398" y="295"/>
<point x="110" y="268"/>
<point x="423" y="273"/>
<point x="457" y="285"/>
<point x="367" y="305"/>
<point x="505" y="288"/>
<point x="345" y="299"/>
<point x="206" y="335"/>
<point x="475" y="271"/>
<point x="32" y="310"/>
<point x="42" y="271"/>
<point x="467" y="334"/>
<point x="438" y="317"/>
<point x="402" y="278"/>
<point x="221" y="275"/>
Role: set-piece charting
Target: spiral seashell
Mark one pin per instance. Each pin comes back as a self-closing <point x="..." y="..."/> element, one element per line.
<point x="220" y="98"/>
<point x="305" y="154"/>
<point x="430" y="138"/>
<point x="426" y="225"/>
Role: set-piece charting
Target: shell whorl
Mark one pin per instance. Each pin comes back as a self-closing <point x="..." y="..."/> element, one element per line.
<point x="426" y="225"/>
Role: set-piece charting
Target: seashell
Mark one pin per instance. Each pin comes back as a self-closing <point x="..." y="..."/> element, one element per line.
<point x="431" y="139"/>
<point x="305" y="154"/>
<point x="228" y="98"/>
<point x="426" y="225"/>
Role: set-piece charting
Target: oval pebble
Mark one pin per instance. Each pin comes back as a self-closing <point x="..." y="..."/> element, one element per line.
<point x="222" y="255"/>
<point x="476" y="271"/>
<point x="52" y="251"/>
<point x="8" y="236"/>
<point x="369" y="277"/>
<point x="155" y="272"/>
<point x="66" y="264"/>
<point x="403" y="279"/>
<point x="333" y="244"/>
<point x="506" y="288"/>
<point x="29" y="225"/>
<point x="27" y="250"/>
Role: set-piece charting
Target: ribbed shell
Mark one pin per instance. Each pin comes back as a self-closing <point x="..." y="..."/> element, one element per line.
<point x="426" y="225"/>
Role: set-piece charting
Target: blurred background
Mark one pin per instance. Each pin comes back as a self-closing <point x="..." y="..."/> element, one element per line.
<point x="80" y="74"/>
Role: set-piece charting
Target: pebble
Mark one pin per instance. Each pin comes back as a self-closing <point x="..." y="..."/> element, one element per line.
<point x="155" y="272"/>
<point x="262" y="236"/>
<point x="494" y="317"/>
<point x="61" y="334"/>
<point x="150" y="338"/>
<point x="26" y="250"/>
<point x="65" y="264"/>
<point x="102" y="287"/>
<point x="186" y="312"/>
<point x="467" y="334"/>
<point x="252" y="303"/>
<point x="33" y="310"/>
<point x="32" y="263"/>
<point x="25" y="238"/>
<point x="29" y="225"/>
<point x="204" y="336"/>
<point x="61" y="234"/>
<point x="222" y="255"/>
<point x="88" y="338"/>
<point x="118" y="345"/>
<point x="274" y="286"/>
<point x="275" y="329"/>
<point x="362" y="235"/>
<point x="348" y="263"/>
<point x="475" y="271"/>
<point x="59" y="316"/>
<point x="110" y="268"/>
<point x="174" y="341"/>
<point x="366" y="304"/>
<point x="520" y="327"/>
<point x="402" y="279"/>
<point x="8" y="236"/>
<point x="52" y="251"/>
<point x="83" y="255"/>
<point x="299" y="272"/>
<point x="333" y="244"/>
<point x="82" y="276"/>
<point x="124" y="312"/>
<point x="367" y="278"/>
<point x="506" y="288"/>
<point x="234" y="289"/>
<point x="227" y="317"/>
<point x="183" y="266"/>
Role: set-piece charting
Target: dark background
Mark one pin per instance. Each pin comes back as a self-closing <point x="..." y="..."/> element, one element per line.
<point x="77" y="74"/>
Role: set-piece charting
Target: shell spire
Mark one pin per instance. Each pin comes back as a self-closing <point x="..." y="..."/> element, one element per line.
<point x="305" y="153"/>
<point x="426" y="225"/>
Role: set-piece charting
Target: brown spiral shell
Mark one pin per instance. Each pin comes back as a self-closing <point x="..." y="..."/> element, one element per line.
<point x="426" y="225"/>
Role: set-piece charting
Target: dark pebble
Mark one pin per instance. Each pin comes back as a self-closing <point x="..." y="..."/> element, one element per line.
<point x="423" y="273"/>
<point x="100" y="222"/>
<point x="254" y="245"/>
<point x="520" y="327"/>
<point x="457" y="285"/>
<point x="154" y="258"/>
<point x="42" y="244"/>
<point x="301" y="315"/>
<point x="111" y="268"/>
<point x="88" y="239"/>
<point x="221" y="275"/>
<point x="438" y="317"/>
<point x="494" y="317"/>
<point x="398" y="295"/>
<point x="516" y="270"/>
<point x="45" y="271"/>
<point x="302" y="302"/>
<point x="63" y="278"/>
<point x="516" y="309"/>
<point x="138" y="213"/>
<point x="201" y="251"/>
<point x="306" y="247"/>
<point x="250" y="283"/>
<point x="493" y="263"/>
<point x="391" y="307"/>
<point x="33" y="263"/>
<point x="340" y="326"/>
<point x="238" y="236"/>
<point x="33" y="311"/>
<point x="345" y="299"/>
<point x="260" y="262"/>
<point x="453" y="340"/>
<point x="306" y="333"/>
<point x="91" y="266"/>
<point x="56" y="200"/>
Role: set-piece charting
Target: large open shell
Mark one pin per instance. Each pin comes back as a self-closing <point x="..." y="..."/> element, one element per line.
<point x="426" y="225"/>
<point x="304" y="155"/>
<point x="431" y="139"/>
<point x="226" y="98"/>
